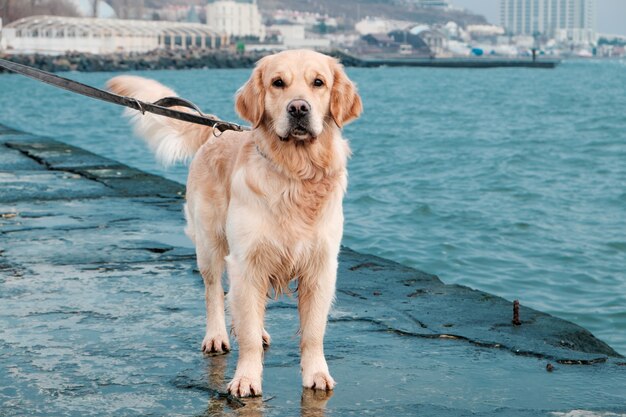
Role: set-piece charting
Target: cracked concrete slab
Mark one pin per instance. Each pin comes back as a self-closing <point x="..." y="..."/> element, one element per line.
<point x="13" y="160"/>
<point x="126" y="181"/>
<point x="101" y="313"/>
<point x="47" y="185"/>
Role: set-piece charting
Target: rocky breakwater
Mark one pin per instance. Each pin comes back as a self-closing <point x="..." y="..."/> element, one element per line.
<point x="154" y="60"/>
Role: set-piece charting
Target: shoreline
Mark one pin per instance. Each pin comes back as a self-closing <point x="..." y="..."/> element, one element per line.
<point x="200" y="59"/>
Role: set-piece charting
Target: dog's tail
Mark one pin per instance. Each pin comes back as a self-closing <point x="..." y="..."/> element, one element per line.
<point x="171" y="140"/>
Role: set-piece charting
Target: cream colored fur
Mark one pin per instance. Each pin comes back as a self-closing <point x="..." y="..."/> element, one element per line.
<point x="268" y="210"/>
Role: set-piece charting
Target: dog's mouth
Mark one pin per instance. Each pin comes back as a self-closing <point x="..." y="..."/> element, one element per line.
<point x="299" y="133"/>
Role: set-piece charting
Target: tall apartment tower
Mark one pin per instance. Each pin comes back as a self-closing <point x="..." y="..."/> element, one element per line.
<point x="573" y="20"/>
<point x="235" y="17"/>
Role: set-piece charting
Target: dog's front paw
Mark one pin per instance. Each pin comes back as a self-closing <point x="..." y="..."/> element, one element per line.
<point x="245" y="386"/>
<point x="216" y="344"/>
<point x="318" y="380"/>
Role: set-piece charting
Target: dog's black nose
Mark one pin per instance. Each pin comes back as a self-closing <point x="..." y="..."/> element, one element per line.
<point x="298" y="108"/>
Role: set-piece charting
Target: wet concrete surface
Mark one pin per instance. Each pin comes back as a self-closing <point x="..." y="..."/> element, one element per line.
<point x="101" y="313"/>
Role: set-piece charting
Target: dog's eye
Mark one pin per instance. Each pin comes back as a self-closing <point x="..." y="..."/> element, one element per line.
<point x="278" y="83"/>
<point x="318" y="82"/>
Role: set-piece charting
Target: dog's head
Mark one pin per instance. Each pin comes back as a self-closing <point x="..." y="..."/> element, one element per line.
<point x="297" y="94"/>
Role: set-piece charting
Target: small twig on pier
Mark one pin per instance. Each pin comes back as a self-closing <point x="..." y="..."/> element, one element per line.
<point x="516" y="321"/>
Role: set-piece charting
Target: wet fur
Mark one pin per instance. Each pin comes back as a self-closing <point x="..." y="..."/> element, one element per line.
<point x="268" y="210"/>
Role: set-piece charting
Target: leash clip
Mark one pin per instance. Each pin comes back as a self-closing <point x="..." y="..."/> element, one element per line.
<point x="138" y="103"/>
<point x="216" y="131"/>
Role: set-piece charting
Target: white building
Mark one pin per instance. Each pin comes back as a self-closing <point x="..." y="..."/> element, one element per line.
<point x="235" y="18"/>
<point x="485" y="30"/>
<point x="378" y="25"/>
<point x="294" y="37"/>
<point x="573" y="20"/>
<point x="56" y="35"/>
<point x="436" y="41"/>
<point x="289" y="32"/>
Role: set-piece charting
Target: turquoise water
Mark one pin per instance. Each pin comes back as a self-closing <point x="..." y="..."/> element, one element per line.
<point x="512" y="181"/>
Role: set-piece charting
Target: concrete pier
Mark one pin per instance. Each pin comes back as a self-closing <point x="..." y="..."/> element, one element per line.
<point x="102" y="313"/>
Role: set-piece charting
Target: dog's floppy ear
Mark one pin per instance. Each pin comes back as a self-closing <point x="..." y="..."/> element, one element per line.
<point x="250" y="100"/>
<point x="345" y="102"/>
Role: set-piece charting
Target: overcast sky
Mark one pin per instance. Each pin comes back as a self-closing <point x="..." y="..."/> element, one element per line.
<point x="611" y="13"/>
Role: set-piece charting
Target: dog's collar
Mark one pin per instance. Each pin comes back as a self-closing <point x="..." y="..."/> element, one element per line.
<point x="263" y="154"/>
<point x="269" y="160"/>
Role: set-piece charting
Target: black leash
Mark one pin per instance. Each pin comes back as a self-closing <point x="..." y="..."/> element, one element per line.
<point x="159" y="107"/>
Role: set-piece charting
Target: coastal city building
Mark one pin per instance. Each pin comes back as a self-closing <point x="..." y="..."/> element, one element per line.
<point x="380" y="25"/>
<point x="564" y="20"/>
<point x="309" y="19"/>
<point x="293" y="36"/>
<point x="434" y="39"/>
<point x="239" y="18"/>
<point x="563" y="28"/>
<point x="57" y="35"/>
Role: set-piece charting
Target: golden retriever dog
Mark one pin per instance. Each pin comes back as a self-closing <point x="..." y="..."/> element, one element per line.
<point x="266" y="203"/>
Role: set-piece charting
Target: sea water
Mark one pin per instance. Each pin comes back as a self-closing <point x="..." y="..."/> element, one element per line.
<point x="512" y="181"/>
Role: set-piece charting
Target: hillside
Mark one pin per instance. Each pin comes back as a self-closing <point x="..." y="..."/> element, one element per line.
<point x="354" y="10"/>
<point x="157" y="4"/>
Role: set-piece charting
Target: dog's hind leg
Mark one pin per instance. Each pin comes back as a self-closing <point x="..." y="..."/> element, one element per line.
<point x="210" y="254"/>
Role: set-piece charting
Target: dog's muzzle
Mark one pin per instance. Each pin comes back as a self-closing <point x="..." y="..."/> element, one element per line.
<point x="299" y="126"/>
